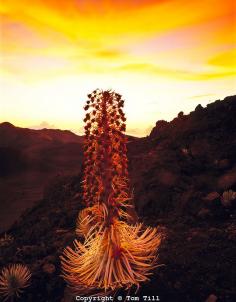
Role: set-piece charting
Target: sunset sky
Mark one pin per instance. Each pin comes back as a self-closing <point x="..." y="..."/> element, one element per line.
<point x="163" y="56"/>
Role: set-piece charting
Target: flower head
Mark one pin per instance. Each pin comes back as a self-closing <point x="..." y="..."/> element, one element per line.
<point x="119" y="256"/>
<point x="13" y="280"/>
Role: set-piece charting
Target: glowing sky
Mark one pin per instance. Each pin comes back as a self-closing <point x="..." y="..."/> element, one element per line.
<point x="164" y="56"/>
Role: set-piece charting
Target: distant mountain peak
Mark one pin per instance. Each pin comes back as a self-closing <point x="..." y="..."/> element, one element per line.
<point x="6" y="125"/>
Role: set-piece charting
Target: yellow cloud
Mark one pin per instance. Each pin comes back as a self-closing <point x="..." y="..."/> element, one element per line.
<point x="226" y="59"/>
<point x="176" y="74"/>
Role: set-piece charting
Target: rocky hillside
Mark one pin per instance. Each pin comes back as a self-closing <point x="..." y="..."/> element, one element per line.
<point x="181" y="162"/>
<point x="184" y="181"/>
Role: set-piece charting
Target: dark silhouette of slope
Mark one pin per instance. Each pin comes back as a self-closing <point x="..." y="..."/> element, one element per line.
<point x="184" y="160"/>
<point x="41" y="150"/>
<point x="29" y="160"/>
<point x="11" y="161"/>
<point x="24" y="137"/>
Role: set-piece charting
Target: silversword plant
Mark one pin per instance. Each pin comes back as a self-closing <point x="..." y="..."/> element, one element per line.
<point x="111" y="253"/>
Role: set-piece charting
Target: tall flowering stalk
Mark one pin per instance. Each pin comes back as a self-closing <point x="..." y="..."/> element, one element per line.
<point x="106" y="174"/>
<point x="113" y="253"/>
